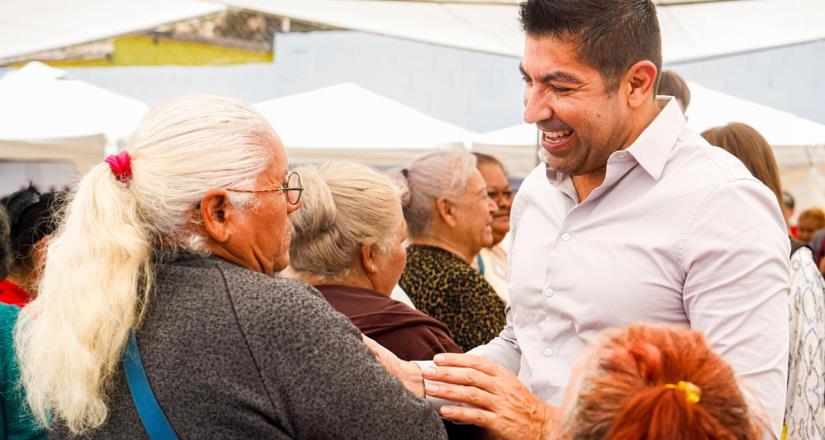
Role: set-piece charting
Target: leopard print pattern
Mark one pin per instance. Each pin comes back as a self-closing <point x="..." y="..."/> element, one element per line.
<point x="447" y="288"/>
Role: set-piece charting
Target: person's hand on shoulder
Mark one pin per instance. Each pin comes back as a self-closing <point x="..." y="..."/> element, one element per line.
<point x="498" y="401"/>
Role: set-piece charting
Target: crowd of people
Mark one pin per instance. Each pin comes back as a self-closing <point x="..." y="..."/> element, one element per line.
<point x="644" y="282"/>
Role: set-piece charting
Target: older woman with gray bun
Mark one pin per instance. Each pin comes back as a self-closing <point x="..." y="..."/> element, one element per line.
<point x="158" y="315"/>
<point x="348" y="242"/>
<point x="449" y="217"/>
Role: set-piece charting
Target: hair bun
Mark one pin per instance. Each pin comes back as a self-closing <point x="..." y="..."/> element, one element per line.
<point x="401" y="179"/>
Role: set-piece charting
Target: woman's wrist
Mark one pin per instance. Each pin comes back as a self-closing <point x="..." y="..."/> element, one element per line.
<point x="413" y="379"/>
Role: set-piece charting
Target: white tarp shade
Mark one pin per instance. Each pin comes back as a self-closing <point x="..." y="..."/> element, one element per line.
<point x="40" y="102"/>
<point x="516" y="147"/>
<point x="689" y="31"/>
<point x="796" y="141"/>
<point x="347" y="122"/>
<point x="36" y="25"/>
<point x="83" y="152"/>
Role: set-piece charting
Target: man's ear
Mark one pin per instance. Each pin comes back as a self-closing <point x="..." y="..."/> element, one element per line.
<point x="446" y="211"/>
<point x="641" y="82"/>
<point x="216" y="212"/>
<point x="368" y="261"/>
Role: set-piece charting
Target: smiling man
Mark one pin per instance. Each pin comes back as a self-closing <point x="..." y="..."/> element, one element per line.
<point x="631" y="218"/>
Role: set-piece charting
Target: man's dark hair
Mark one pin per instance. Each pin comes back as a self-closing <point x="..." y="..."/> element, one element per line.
<point x="671" y="84"/>
<point x="611" y="35"/>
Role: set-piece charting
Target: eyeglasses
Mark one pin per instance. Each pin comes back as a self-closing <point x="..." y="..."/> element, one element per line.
<point x="292" y="188"/>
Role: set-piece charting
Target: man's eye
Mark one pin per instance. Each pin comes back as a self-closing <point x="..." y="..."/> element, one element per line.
<point x="526" y="79"/>
<point x="561" y="89"/>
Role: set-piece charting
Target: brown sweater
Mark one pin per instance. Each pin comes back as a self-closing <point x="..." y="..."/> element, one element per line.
<point x="408" y="333"/>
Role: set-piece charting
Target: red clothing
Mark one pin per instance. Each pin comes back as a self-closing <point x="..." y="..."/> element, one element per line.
<point x="11" y="293"/>
<point x="408" y="333"/>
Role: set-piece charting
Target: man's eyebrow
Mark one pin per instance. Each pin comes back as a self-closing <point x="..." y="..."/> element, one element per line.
<point x="554" y="76"/>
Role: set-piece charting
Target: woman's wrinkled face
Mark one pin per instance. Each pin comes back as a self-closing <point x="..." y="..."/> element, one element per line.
<point x="392" y="262"/>
<point x="474" y="214"/>
<point x="500" y="191"/>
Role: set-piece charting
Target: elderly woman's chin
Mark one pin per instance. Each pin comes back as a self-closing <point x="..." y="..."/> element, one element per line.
<point x="487" y="236"/>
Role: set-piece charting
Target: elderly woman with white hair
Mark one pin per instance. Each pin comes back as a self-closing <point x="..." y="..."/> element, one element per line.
<point x="449" y="217"/>
<point x="158" y="315"/>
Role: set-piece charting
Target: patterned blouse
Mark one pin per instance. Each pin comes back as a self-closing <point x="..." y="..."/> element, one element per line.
<point x="805" y="405"/>
<point x="447" y="288"/>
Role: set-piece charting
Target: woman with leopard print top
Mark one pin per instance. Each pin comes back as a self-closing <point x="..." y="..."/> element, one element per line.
<point x="449" y="218"/>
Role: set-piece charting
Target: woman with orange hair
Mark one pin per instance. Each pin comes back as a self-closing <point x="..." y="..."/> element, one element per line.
<point x="650" y="382"/>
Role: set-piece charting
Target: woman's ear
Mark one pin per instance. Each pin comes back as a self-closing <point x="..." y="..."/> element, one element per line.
<point x="216" y="212"/>
<point x="446" y="211"/>
<point x="369" y="254"/>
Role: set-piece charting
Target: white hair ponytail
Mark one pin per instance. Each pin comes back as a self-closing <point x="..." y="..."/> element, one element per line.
<point x="100" y="255"/>
<point x="98" y="271"/>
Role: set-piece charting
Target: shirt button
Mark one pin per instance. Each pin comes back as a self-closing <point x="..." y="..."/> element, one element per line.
<point x="548" y="292"/>
<point x="548" y="352"/>
<point x="565" y="236"/>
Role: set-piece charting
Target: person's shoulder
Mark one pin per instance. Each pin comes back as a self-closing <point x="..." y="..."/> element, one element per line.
<point x="694" y="156"/>
<point x="536" y="177"/>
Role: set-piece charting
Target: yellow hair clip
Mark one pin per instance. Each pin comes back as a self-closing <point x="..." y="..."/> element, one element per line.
<point x="693" y="394"/>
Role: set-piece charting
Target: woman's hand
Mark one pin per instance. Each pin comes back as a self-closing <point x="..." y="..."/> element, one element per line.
<point x="408" y="372"/>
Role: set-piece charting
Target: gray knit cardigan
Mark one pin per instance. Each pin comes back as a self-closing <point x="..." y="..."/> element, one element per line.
<point x="234" y="354"/>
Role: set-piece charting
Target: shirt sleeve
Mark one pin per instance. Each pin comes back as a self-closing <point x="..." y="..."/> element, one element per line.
<point x="735" y="258"/>
<point x="317" y="370"/>
<point x="504" y="349"/>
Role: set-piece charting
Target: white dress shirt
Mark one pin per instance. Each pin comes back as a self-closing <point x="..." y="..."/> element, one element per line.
<point x="679" y="233"/>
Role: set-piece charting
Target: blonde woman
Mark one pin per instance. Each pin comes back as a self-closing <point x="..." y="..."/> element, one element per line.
<point x="167" y="252"/>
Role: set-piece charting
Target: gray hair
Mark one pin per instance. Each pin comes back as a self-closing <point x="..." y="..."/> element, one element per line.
<point x="433" y="176"/>
<point x="345" y="206"/>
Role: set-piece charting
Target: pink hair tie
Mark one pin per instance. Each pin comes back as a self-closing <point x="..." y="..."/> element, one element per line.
<point x="121" y="165"/>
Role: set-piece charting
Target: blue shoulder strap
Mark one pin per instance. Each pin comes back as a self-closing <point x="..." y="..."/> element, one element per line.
<point x="480" y="262"/>
<point x="150" y="412"/>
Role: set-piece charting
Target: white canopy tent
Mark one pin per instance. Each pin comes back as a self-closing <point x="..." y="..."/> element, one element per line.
<point x="798" y="143"/>
<point x="37" y="25"/>
<point x="47" y="117"/>
<point x="689" y="31"/>
<point x="348" y="122"/>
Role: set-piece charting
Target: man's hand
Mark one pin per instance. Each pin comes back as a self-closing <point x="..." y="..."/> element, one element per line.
<point x="408" y="372"/>
<point x="502" y="404"/>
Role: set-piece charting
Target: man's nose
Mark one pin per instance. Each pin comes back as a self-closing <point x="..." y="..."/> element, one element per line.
<point x="536" y="107"/>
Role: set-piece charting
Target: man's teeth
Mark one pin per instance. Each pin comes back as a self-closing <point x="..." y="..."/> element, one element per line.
<point x="557" y="135"/>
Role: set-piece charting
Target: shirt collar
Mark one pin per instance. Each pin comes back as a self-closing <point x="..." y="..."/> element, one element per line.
<point x="652" y="148"/>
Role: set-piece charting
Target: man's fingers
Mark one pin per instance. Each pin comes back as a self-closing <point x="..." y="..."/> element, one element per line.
<point x="473" y="416"/>
<point x="461" y="376"/>
<point x="467" y="361"/>
<point x="463" y="394"/>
